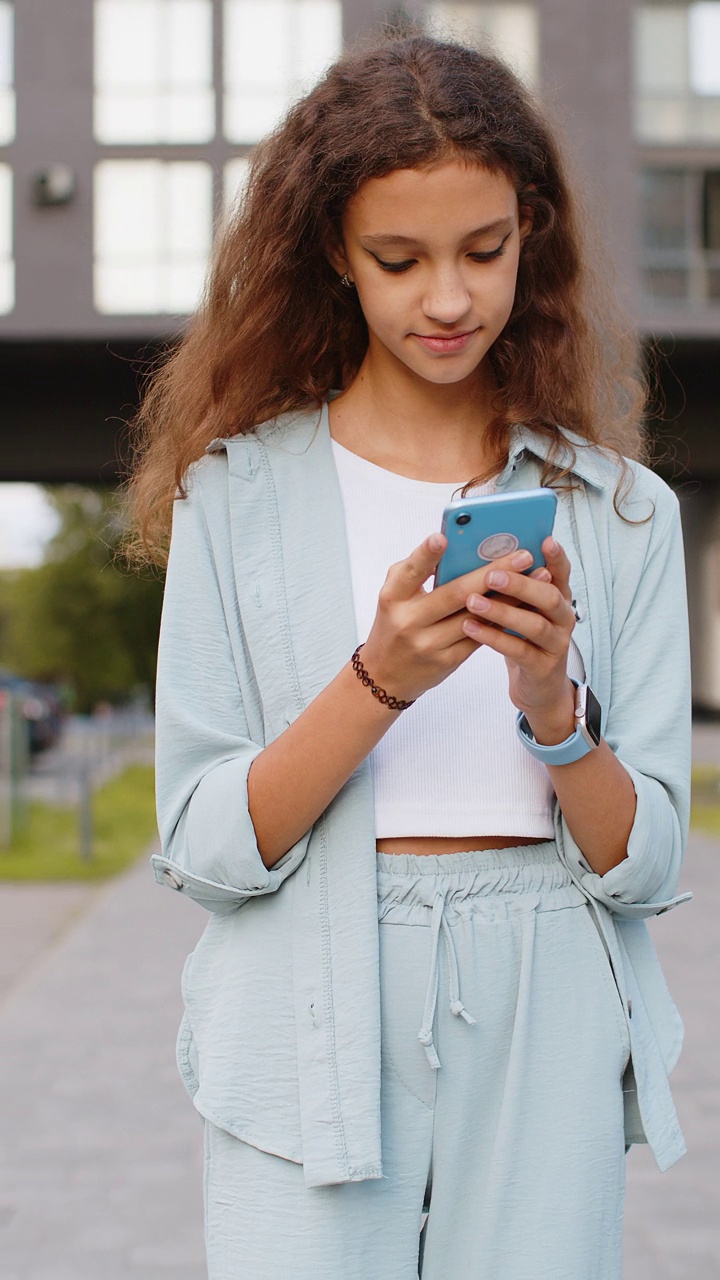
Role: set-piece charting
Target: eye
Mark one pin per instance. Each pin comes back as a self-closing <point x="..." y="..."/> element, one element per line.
<point x="491" y="253"/>
<point x="395" y="267"/>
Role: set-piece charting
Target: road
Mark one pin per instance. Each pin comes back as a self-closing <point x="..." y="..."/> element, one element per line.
<point x="100" y="1151"/>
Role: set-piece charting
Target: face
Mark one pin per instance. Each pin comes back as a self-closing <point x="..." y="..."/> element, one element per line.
<point x="433" y="253"/>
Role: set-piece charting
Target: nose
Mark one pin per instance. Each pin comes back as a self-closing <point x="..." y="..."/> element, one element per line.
<point x="447" y="298"/>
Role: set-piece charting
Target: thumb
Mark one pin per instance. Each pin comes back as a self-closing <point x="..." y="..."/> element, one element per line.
<point x="407" y="576"/>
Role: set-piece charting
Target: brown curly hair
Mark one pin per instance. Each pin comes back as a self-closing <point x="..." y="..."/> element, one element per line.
<point x="277" y="331"/>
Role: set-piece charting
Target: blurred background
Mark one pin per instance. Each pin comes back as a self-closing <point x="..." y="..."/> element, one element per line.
<point x="125" y="132"/>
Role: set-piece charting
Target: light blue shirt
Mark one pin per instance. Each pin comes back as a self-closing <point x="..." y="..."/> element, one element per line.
<point x="281" y="1040"/>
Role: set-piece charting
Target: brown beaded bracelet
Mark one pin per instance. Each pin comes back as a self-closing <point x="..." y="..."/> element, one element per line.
<point x="387" y="699"/>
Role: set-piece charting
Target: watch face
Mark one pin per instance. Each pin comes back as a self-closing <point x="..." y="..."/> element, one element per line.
<point x="593" y="715"/>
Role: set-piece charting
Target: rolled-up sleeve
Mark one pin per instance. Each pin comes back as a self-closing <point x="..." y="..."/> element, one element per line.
<point x="204" y="745"/>
<point x="647" y="725"/>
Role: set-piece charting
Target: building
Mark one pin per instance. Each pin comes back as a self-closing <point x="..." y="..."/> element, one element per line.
<point x="115" y="114"/>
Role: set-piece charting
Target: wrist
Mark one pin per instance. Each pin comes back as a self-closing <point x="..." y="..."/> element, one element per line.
<point x="556" y="723"/>
<point x="385" y="697"/>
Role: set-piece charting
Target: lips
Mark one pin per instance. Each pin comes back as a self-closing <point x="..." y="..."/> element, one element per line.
<point x="445" y="344"/>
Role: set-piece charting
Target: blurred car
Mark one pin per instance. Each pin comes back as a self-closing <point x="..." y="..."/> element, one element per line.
<point x="40" y="708"/>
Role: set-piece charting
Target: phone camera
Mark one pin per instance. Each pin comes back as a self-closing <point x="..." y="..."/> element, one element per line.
<point x="464" y="518"/>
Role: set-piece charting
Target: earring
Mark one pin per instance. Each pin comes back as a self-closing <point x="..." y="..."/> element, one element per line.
<point x="346" y="281"/>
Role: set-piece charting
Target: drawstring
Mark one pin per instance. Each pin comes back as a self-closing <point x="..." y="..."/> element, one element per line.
<point x="425" y="1034"/>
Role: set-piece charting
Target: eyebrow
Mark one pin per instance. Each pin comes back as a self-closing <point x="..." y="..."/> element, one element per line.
<point x="500" y="224"/>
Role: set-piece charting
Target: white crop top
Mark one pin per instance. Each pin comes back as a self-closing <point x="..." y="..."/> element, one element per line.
<point x="451" y="765"/>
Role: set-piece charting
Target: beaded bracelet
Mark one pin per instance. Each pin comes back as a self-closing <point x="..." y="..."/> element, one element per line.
<point x="387" y="699"/>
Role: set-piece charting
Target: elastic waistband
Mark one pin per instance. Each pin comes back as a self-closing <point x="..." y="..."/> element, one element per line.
<point x="522" y="877"/>
<point x="542" y="854"/>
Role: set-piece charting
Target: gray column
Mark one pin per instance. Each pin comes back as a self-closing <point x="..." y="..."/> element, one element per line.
<point x="587" y="79"/>
<point x="53" y="245"/>
<point x="361" y="15"/>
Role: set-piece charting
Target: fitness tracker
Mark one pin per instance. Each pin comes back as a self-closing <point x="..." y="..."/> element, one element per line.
<point x="586" y="738"/>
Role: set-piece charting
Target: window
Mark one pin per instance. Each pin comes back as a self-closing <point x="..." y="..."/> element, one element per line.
<point x="681" y="237"/>
<point x="153" y="232"/>
<point x="7" y="94"/>
<point x="153" y="71"/>
<point x="274" y="50"/>
<point x="507" y="29"/>
<point x="7" y="267"/>
<point x="677" y="72"/>
<point x="235" y="177"/>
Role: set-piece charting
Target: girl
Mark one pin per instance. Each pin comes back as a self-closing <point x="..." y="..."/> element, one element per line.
<point x="425" y="1018"/>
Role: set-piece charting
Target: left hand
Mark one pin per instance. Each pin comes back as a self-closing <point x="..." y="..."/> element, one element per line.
<point x="539" y="607"/>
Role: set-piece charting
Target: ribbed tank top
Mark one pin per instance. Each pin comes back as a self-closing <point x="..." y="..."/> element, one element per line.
<point x="452" y="764"/>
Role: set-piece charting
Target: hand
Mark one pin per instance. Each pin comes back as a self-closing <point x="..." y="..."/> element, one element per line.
<point x="538" y="607"/>
<point x="418" y="637"/>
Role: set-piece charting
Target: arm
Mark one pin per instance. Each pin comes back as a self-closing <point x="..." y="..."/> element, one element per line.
<point x="595" y="794"/>
<point x="416" y="641"/>
<point x="235" y="816"/>
<point x="648" y="721"/>
<point x="207" y="738"/>
<point x="624" y="807"/>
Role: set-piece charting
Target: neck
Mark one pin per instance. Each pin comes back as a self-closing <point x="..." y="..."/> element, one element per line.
<point x="419" y="429"/>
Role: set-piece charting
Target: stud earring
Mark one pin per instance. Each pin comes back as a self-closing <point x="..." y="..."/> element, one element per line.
<point x="346" y="281"/>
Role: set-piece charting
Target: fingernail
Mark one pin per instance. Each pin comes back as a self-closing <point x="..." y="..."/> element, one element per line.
<point x="471" y="628"/>
<point x="478" y="604"/>
<point x="521" y="560"/>
<point x="497" y="578"/>
<point x="436" y="542"/>
<point x="551" y="546"/>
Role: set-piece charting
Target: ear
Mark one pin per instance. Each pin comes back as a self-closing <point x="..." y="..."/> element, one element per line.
<point x="526" y="213"/>
<point x="336" y="255"/>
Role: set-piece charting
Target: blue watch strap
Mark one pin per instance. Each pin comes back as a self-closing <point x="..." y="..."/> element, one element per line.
<point x="567" y="752"/>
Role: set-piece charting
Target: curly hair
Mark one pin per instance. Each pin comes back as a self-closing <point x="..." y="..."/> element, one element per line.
<point x="277" y="331"/>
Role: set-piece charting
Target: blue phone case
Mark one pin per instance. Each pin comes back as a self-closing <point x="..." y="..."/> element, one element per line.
<point x="484" y="528"/>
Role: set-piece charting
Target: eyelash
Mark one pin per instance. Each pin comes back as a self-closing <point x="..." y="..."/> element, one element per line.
<point x="398" y="268"/>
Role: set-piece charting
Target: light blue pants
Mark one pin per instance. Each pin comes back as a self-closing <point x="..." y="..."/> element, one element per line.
<point x="504" y="1046"/>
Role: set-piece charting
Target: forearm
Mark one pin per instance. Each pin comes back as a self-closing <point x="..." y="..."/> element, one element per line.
<point x="595" y="794"/>
<point x="294" y="779"/>
<point x="598" y="802"/>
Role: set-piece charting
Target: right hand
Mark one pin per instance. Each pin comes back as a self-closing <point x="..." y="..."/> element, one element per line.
<point x="417" y="638"/>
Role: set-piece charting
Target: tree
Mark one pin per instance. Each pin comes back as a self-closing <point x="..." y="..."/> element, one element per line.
<point x="83" y="618"/>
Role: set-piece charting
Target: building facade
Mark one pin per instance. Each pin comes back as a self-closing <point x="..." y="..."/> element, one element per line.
<point x="125" y="127"/>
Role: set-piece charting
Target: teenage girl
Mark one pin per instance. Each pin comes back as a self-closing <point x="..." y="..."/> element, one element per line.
<point x="425" y="1020"/>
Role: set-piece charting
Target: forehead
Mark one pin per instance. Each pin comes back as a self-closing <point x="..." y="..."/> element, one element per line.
<point x="458" y="195"/>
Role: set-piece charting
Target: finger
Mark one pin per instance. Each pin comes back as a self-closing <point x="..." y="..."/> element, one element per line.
<point x="405" y="578"/>
<point x="451" y="596"/>
<point x="558" y="564"/>
<point x="545" y="597"/>
<point x="550" y="637"/>
<point x="515" y="647"/>
<point x="446" y="633"/>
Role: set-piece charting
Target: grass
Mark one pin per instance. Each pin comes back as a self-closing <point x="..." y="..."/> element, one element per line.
<point x="705" y="811"/>
<point x="123" y="826"/>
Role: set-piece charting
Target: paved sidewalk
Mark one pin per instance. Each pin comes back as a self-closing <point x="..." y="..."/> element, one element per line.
<point x="673" y="1219"/>
<point x="100" y="1160"/>
<point x="100" y="1149"/>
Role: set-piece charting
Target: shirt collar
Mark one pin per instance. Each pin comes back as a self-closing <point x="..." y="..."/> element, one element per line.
<point x="597" y="466"/>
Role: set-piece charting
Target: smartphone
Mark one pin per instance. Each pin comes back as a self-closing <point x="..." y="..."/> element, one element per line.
<point x="482" y="529"/>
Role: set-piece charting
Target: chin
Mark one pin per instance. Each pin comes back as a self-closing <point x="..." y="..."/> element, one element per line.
<point x="446" y="376"/>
